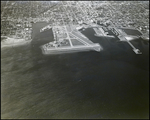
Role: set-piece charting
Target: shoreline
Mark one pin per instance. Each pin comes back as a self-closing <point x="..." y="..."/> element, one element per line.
<point x="15" y="44"/>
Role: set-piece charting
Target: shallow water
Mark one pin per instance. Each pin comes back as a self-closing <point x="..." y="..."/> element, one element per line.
<point x="113" y="83"/>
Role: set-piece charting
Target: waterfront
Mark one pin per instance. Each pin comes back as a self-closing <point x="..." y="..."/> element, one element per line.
<point x="113" y="83"/>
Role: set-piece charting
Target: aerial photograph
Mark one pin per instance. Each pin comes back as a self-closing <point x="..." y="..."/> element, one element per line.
<point x="75" y="59"/>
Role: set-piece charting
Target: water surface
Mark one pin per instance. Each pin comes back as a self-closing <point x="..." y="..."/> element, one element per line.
<point x="113" y="83"/>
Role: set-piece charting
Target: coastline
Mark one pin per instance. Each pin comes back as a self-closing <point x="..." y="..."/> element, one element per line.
<point x="12" y="42"/>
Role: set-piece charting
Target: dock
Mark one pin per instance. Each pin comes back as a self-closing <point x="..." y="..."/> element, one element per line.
<point x="101" y="33"/>
<point x="45" y="28"/>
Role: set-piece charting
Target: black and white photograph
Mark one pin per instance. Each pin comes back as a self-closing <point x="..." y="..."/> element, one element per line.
<point x="74" y="59"/>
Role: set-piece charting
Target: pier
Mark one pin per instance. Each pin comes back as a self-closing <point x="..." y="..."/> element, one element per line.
<point x="123" y="36"/>
<point x="137" y="51"/>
